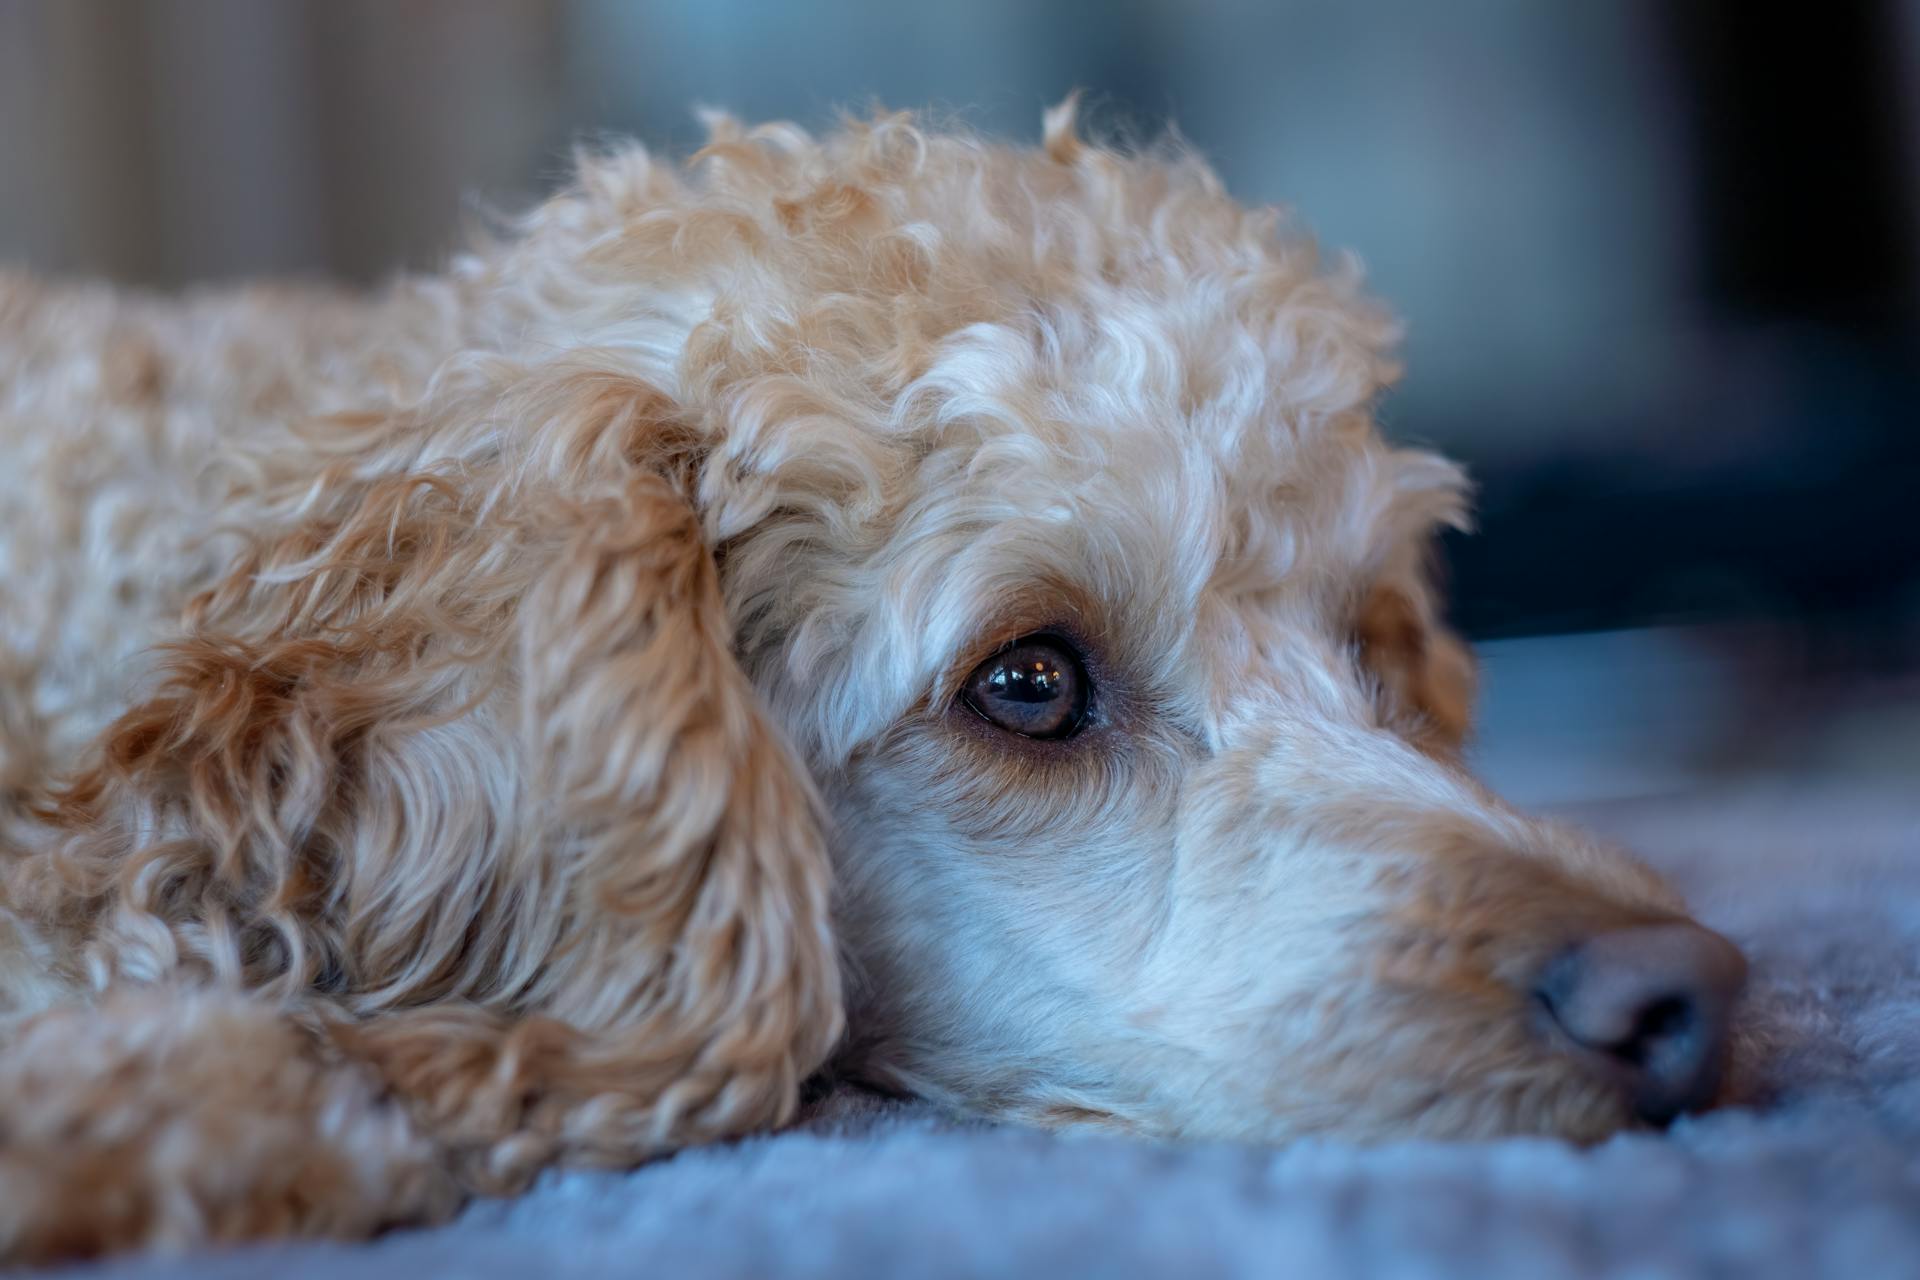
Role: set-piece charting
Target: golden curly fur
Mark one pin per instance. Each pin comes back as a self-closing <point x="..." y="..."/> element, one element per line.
<point x="423" y="715"/>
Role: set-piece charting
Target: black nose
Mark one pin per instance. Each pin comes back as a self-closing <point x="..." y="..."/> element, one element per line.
<point x="1650" y="1007"/>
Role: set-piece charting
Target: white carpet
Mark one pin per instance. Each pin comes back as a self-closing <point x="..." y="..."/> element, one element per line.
<point x="1822" y="887"/>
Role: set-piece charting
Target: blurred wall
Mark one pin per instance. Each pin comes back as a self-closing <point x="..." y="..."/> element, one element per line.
<point x="171" y="141"/>
<point x="1507" y="169"/>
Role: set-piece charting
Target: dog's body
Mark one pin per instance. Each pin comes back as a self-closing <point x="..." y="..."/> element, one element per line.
<point x="531" y="639"/>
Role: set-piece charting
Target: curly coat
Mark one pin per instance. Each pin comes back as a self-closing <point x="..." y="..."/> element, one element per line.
<point x="422" y="715"/>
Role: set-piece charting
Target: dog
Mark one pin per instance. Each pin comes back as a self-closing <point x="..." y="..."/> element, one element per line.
<point x="894" y="604"/>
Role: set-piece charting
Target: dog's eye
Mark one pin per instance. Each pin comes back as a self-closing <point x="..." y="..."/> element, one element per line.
<point x="1036" y="687"/>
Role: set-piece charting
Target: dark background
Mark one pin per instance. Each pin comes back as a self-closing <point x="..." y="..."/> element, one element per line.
<point x="1660" y="262"/>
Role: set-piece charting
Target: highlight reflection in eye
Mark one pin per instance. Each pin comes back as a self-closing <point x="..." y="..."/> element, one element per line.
<point x="1037" y="687"/>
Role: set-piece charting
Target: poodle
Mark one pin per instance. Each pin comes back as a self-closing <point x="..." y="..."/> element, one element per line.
<point x="891" y="604"/>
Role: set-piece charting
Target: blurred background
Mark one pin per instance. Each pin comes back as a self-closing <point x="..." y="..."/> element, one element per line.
<point x="1660" y="264"/>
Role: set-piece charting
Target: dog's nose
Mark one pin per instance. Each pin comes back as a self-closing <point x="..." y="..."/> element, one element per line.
<point x="1650" y="1006"/>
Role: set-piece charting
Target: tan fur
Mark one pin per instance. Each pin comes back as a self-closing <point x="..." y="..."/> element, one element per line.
<point x="169" y="1118"/>
<point x="422" y="698"/>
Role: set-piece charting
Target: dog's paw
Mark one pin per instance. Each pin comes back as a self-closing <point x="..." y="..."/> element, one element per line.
<point x="168" y="1119"/>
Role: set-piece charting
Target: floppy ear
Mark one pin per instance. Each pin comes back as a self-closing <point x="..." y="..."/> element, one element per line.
<point x="688" y="982"/>
<point x="1425" y="672"/>
<point x="464" y="749"/>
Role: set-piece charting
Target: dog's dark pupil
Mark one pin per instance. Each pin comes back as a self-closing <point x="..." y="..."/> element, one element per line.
<point x="1035" y="680"/>
<point x="1037" y="689"/>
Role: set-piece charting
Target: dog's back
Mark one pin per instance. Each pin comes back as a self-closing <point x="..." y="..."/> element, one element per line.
<point x="122" y="418"/>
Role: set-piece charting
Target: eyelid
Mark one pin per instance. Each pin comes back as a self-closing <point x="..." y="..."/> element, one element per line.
<point x="951" y="683"/>
<point x="1045" y="605"/>
<point x="954" y="681"/>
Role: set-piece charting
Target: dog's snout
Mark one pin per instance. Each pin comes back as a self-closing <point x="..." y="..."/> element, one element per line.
<point x="1650" y="1006"/>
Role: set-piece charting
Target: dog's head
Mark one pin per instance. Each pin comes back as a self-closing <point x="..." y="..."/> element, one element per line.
<point x="1058" y="534"/>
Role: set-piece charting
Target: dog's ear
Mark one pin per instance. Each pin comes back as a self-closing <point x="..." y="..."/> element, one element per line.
<point x="691" y="982"/>
<point x="1423" y="670"/>
<point x="465" y="729"/>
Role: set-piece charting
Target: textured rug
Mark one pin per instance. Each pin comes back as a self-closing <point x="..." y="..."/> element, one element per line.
<point x="1821" y="886"/>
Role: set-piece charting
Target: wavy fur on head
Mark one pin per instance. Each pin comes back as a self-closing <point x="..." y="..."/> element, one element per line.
<point x="416" y="710"/>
